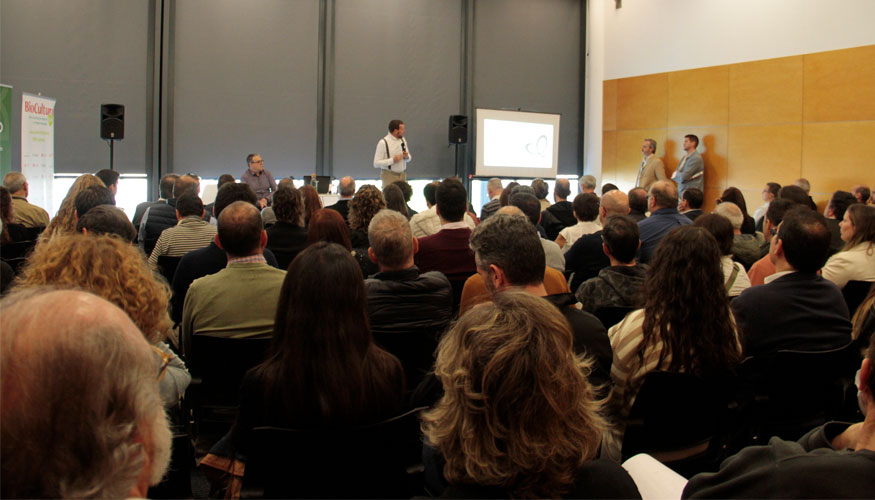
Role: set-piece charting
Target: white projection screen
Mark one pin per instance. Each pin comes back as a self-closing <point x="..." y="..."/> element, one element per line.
<point x="516" y="144"/>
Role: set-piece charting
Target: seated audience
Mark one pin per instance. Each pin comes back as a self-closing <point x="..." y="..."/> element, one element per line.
<point x="586" y="257"/>
<point x="688" y="330"/>
<point x="208" y="208"/>
<point x="664" y="217"/>
<point x="795" y="309"/>
<point x="108" y="220"/>
<point x="723" y="230"/>
<point x="770" y="192"/>
<point x="608" y="187"/>
<point x="190" y="233"/>
<point x="110" y="180"/>
<point x="27" y="214"/>
<point x="159" y="217"/>
<point x="504" y="199"/>
<point x="734" y="195"/>
<point x="165" y="192"/>
<point x="638" y="204"/>
<point x="562" y="211"/>
<point x="541" y="191"/>
<point x="428" y="222"/>
<point x="621" y="284"/>
<point x="362" y="208"/>
<point x="447" y="250"/>
<point x="587" y="184"/>
<point x="857" y="260"/>
<point x="518" y="418"/>
<point x="795" y="194"/>
<point x="862" y="194"/>
<point x="288" y="236"/>
<point x="327" y="226"/>
<point x="746" y="248"/>
<point x="774" y="215"/>
<point x="268" y="216"/>
<point x="805" y="186"/>
<point x="493" y="191"/>
<point x="531" y="208"/>
<point x="213" y="303"/>
<point x="407" y="191"/>
<point x="395" y="199"/>
<point x="691" y="203"/>
<point x="115" y="270"/>
<point x="64" y="222"/>
<point x="863" y="322"/>
<point x="586" y="212"/>
<point x="402" y="301"/>
<point x="346" y="190"/>
<point x="834" y="460"/>
<point x="91" y="197"/>
<point x="10" y="232"/>
<point x="835" y="212"/>
<point x="312" y="202"/>
<point x="80" y="410"/>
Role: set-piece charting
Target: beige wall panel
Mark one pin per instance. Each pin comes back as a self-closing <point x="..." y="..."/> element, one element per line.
<point x="712" y="146"/>
<point x="753" y="198"/>
<point x="711" y="195"/>
<point x="767" y="91"/>
<point x="629" y="151"/>
<point x="642" y="102"/>
<point x="609" y="105"/>
<point x="609" y="156"/>
<point x="840" y="85"/>
<point x="837" y="155"/>
<point x="761" y="154"/>
<point x="698" y="97"/>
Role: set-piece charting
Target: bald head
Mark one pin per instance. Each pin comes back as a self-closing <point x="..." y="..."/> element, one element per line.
<point x="186" y="184"/>
<point x="613" y="203"/>
<point x="663" y="194"/>
<point x="240" y="230"/>
<point x="113" y="439"/>
<point x="347" y="187"/>
<point x="562" y="190"/>
<point x="510" y="210"/>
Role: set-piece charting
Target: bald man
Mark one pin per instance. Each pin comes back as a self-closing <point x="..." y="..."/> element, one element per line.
<point x="346" y="190"/>
<point x="585" y="258"/>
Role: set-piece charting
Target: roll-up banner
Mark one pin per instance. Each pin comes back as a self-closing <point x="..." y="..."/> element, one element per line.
<point x="38" y="148"/>
<point x="5" y="129"/>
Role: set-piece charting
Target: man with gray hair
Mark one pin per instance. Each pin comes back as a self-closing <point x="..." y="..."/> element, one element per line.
<point x="587" y="184"/>
<point x="80" y="408"/>
<point x="493" y="189"/>
<point x="346" y="189"/>
<point x="652" y="169"/>
<point x="408" y="309"/>
<point x="26" y="214"/>
<point x="541" y="191"/>
<point x="662" y="201"/>
<point x="746" y="248"/>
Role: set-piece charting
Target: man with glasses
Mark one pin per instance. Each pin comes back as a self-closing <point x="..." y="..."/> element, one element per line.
<point x="260" y="180"/>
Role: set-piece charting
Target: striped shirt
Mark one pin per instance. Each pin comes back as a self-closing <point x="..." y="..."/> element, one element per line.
<point x="190" y="233"/>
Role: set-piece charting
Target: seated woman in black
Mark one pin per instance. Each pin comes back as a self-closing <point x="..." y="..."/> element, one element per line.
<point x="519" y="418"/>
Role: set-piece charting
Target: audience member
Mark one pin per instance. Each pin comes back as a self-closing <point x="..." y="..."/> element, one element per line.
<point x="91" y="197"/>
<point x="734" y="195"/>
<point x="667" y="334"/>
<point x="770" y="192"/>
<point x="64" y="222"/>
<point x="638" y="204"/>
<point x="774" y="215"/>
<point x="862" y="194"/>
<point x="746" y="248"/>
<point x="362" y="208"/>
<point x="225" y="179"/>
<point x="560" y="214"/>
<point x="834" y="460"/>
<point x="328" y="226"/>
<point x="608" y="187"/>
<point x="662" y="202"/>
<point x="312" y="202"/>
<point x="587" y="184"/>
<point x="795" y="309"/>
<point x="835" y="212"/>
<point x="165" y="192"/>
<point x="586" y="257"/>
<point x="531" y="208"/>
<point x="863" y="322"/>
<point x="402" y="301"/>
<point x="518" y="417"/>
<point x="115" y="270"/>
<point x="857" y="260"/>
<point x="81" y="413"/>
<point x="190" y="233"/>
<point x="586" y="212"/>
<point x="541" y="191"/>
<point x="427" y="223"/>
<point x="407" y="191"/>
<point x="26" y="214"/>
<point x="346" y="190"/>
<point x="109" y="220"/>
<point x="504" y="199"/>
<point x="288" y="236"/>
<point x="447" y="250"/>
<point x="110" y="180"/>
<point x="395" y="199"/>
<point x="268" y="216"/>
<point x="805" y="186"/>
<point x="9" y="232"/>
<point x="691" y="203"/>
<point x="159" y="217"/>
<point x="652" y="169"/>
<point x="493" y="191"/>
<point x="621" y="284"/>
<point x="795" y="194"/>
<point x="734" y="276"/>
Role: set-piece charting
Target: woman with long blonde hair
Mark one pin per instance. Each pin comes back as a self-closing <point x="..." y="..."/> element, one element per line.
<point x="64" y="222"/>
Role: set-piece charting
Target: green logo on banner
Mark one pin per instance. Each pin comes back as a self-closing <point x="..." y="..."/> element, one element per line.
<point x="5" y="130"/>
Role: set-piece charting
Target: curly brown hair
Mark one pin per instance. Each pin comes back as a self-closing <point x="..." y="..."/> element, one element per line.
<point x="312" y="202"/>
<point x="64" y="222"/>
<point x="364" y="206"/>
<point x="105" y="266"/>
<point x="518" y="411"/>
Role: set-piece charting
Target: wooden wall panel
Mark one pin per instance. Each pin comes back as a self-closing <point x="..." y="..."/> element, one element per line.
<point x="840" y="85"/>
<point x="642" y="102"/>
<point x="770" y="152"/>
<point x="698" y="97"/>
<point x="766" y="91"/>
<point x="837" y="155"/>
<point x="609" y="105"/>
<point x="609" y="156"/>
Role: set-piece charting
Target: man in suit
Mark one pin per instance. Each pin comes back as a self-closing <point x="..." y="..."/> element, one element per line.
<point x="652" y="169"/>
<point x="346" y="189"/>
<point x="691" y="170"/>
<point x="493" y="189"/>
<point x="795" y="308"/>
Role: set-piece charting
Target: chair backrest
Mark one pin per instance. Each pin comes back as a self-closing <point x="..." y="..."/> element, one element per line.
<point x="217" y="366"/>
<point x="854" y="293"/>
<point x="610" y="316"/>
<point x="362" y="462"/>
<point x="457" y="282"/>
<point x="167" y="266"/>
<point x="15" y="254"/>
<point x="415" y="350"/>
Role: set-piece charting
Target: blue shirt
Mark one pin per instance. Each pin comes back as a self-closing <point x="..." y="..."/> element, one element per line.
<point x="652" y="229"/>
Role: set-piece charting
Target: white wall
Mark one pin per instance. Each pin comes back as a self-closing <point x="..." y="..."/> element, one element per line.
<point x="655" y="36"/>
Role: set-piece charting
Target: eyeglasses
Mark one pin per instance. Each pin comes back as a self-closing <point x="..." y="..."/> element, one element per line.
<point x="259" y="161"/>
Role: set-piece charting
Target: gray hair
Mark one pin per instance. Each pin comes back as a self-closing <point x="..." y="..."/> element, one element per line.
<point x="75" y="355"/>
<point x="732" y="212"/>
<point x="588" y="182"/>
<point x="804" y="184"/>
<point x="652" y="145"/>
<point x="346" y="186"/>
<point x="391" y="238"/>
<point x="512" y="244"/>
<point x="494" y="184"/>
<point x="14" y="182"/>
<point x="664" y="194"/>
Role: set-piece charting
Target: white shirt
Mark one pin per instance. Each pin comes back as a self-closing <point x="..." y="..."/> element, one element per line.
<point x="572" y="233"/>
<point x="741" y="283"/>
<point x="773" y="277"/>
<point x="385" y="162"/>
<point x="428" y="222"/>
<point x="857" y="263"/>
<point x="761" y="212"/>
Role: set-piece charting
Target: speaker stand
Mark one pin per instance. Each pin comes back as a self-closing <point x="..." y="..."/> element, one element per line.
<point x="456" y="170"/>
<point x="111" y="153"/>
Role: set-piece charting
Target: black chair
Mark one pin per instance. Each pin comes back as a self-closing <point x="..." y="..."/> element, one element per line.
<point x="788" y="393"/>
<point x="363" y="462"/>
<point x="682" y="420"/>
<point x="415" y="350"/>
<point x="854" y="293"/>
<point x="457" y="282"/>
<point x="15" y="254"/>
<point x="610" y="316"/>
<point x="167" y="266"/>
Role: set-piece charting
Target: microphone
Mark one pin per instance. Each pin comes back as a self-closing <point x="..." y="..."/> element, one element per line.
<point x="403" y="146"/>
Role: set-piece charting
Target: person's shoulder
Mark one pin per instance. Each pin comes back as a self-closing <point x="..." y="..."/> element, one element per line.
<point x="550" y="246"/>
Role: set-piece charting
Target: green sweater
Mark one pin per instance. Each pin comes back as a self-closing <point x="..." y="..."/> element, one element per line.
<point x="237" y="302"/>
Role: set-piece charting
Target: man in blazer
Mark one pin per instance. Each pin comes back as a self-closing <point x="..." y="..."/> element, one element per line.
<point x="795" y="308"/>
<point x="652" y="169"/>
<point x="691" y="170"/>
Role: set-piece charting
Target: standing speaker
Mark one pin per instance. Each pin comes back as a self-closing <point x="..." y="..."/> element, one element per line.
<point x="458" y="129"/>
<point x="112" y="121"/>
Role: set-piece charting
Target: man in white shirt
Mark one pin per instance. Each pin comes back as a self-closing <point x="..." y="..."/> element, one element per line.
<point x="770" y="192"/>
<point x="392" y="156"/>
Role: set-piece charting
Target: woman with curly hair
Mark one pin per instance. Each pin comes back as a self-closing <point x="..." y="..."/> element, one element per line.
<point x="685" y="326"/>
<point x="115" y="270"/>
<point x="362" y="208"/>
<point x="856" y="261"/>
<point x="312" y="203"/>
<point x="519" y="418"/>
<point x="64" y="221"/>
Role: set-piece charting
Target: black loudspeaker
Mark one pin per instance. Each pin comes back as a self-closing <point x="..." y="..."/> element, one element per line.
<point x="112" y="121"/>
<point x="458" y="129"/>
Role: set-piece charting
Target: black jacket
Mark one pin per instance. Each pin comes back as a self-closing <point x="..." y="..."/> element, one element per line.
<point x="590" y="338"/>
<point x="157" y="218"/>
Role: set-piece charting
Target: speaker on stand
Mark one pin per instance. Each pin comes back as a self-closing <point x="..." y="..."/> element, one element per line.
<point x="112" y="127"/>
<point x="458" y="134"/>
